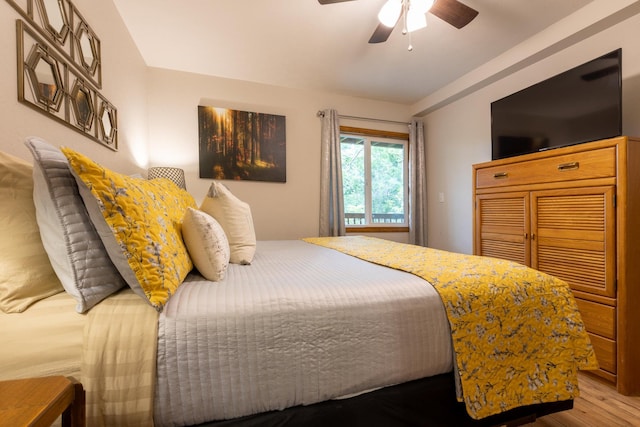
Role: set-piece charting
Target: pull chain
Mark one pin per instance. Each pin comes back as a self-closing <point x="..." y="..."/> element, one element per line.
<point x="406" y="4"/>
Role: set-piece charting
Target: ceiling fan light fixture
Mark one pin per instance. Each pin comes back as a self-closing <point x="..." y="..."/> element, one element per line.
<point x="390" y="12"/>
<point x="415" y="20"/>
<point x="421" y="6"/>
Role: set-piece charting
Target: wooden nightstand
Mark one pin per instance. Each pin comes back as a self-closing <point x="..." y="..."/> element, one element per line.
<point x="40" y="401"/>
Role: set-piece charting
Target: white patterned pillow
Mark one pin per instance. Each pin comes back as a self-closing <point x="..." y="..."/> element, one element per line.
<point x="207" y="244"/>
<point x="234" y="216"/>
<point x="75" y="249"/>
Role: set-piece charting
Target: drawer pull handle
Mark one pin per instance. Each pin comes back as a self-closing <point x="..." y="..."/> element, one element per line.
<point x="568" y="166"/>
<point x="500" y="175"/>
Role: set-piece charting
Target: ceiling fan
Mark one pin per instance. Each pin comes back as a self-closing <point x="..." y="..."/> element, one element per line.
<point x="413" y="13"/>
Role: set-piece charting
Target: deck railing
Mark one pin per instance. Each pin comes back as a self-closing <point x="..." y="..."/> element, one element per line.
<point x="377" y="218"/>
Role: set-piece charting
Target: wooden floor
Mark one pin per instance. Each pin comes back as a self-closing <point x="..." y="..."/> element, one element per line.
<point x="599" y="405"/>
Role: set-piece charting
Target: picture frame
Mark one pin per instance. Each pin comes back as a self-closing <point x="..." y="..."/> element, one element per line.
<point x="241" y="145"/>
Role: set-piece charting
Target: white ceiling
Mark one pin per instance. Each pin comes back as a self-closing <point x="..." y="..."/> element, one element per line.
<point x="302" y="44"/>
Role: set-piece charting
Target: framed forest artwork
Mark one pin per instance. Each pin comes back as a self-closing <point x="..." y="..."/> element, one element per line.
<point x="241" y="145"/>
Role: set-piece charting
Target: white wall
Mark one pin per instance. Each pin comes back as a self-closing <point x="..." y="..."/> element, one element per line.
<point x="158" y="125"/>
<point x="157" y="115"/>
<point x="458" y="130"/>
<point x="280" y="210"/>
<point x="123" y="81"/>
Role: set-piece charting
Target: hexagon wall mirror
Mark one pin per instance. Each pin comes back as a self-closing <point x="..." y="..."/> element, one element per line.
<point x="88" y="48"/>
<point x="107" y="123"/>
<point x="54" y="18"/>
<point x="82" y="104"/>
<point x="45" y="79"/>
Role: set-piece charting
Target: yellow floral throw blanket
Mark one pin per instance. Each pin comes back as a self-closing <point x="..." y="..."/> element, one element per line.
<point x="517" y="335"/>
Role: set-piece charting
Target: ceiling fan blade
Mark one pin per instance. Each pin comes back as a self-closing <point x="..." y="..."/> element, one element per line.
<point x="453" y="12"/>
<point x="381" y="34"/>
<point x="331" y="1"/>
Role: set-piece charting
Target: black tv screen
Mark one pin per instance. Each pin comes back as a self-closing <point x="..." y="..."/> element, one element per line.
<point x="580" y="105"/>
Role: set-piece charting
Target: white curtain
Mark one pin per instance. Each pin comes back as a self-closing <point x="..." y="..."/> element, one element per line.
<point x="417" y="184"/>
<point x="331" y="199"/>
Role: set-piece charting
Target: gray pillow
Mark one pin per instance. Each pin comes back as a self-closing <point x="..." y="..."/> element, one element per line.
<point x="75" y="249"/>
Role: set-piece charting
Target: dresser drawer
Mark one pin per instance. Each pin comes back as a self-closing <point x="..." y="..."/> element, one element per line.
<point x="599" y="319"/>
<point x="605" y="350"/>
<point x="599" y="163"/>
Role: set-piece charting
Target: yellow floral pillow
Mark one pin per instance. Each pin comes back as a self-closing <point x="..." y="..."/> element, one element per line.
<point x="139" y="222"/>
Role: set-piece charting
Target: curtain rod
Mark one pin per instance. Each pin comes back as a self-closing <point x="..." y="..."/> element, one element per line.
<point x="368" y="119"/>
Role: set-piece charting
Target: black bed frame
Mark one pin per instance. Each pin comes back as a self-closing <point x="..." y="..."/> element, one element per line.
<point x="428" y="402"/>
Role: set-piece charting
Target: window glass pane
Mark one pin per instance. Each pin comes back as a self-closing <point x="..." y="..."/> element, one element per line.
<point x="353" y="179"/>
<point x="387" y="182"/>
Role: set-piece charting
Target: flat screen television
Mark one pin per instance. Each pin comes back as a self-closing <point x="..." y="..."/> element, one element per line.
<point x="579" y="105"/>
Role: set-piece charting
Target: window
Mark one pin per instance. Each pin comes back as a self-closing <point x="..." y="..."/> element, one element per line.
<point x="374" y="178"/>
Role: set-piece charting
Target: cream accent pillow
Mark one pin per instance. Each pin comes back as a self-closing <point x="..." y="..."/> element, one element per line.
<point x="26" y="275"/>
<point x="140" y="223"/>
<point x="234" y="216"/>
<point x="207" y="244"/>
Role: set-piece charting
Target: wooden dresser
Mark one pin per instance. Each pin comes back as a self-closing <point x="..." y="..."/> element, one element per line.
<point x="574" y="212"/>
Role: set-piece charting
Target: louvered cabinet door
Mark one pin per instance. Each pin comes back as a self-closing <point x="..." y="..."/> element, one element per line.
<point x="573" y="237"/>
<point x="502" y="226"/>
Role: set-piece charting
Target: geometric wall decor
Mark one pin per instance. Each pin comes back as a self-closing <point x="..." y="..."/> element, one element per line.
<point x="62" y="25"/>
<point x="50" y="84"/>
<point x="60" y="68"/>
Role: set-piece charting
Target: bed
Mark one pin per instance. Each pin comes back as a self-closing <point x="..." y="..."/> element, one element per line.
<point x="305" y="332"/>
